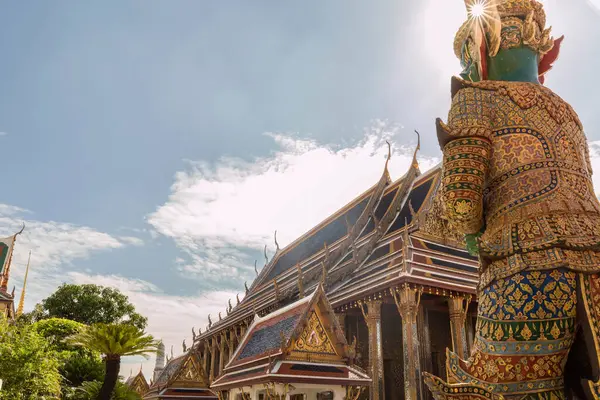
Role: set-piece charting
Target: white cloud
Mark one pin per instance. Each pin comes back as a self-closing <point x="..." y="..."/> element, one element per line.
<point x="216" y="212"/>
<point x="54" y="247"/>
<point x="170" y="318"/>
<point x="134" y="241"/>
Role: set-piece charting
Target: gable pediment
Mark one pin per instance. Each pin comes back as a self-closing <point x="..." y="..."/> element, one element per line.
<point x="314" y="337"/>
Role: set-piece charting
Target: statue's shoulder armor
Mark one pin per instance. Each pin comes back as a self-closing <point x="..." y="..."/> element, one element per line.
<point x="525" y="95"/>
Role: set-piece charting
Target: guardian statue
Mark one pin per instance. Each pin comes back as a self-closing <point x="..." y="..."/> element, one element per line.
<point x="517" y="182"/>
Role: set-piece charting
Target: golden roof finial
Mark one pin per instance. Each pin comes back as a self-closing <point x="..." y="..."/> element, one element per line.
<point x="415" y="163"/>
<point x="22" y="299"/>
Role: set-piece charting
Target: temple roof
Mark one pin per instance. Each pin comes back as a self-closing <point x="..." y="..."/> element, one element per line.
<point x="138" y="383"/>
<point x="301" y="342"/>
<point x="266" y="336"/>
<point x="182" y="377"/>
<point x="328" y="231"/>
<point x="398" y="237"/>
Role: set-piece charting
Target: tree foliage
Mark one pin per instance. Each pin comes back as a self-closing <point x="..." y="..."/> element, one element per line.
<point x="114" y="341"/>
<point x="77" y="365"/>
<point x="29" y="367"/>
<point x="56" y="330"/>
<point x="90" y="391"/>
<point x="89" y="304"/>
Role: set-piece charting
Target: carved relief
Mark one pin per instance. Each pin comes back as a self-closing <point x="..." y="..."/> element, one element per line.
<point x="314" y="338"/>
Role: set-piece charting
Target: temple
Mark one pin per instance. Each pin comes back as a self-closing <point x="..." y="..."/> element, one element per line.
<point x="183" y="377"/>
<point x="297" y="351"/>
<point x="397" y="278"/>
<point x="138" y="383"/>
<point x="7" y="300"/>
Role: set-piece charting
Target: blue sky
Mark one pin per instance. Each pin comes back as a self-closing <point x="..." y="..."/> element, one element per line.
<point x="155" y="146"/>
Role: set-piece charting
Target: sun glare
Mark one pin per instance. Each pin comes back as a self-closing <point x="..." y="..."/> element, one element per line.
<point x="477" y="10"/>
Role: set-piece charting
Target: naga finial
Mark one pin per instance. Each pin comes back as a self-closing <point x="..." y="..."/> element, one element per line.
<point x="171" y="352"/>
<point x="209" y="321"/>
<point x="230" y="306"/>
<point x="246" y="287"/>
<point x="184" y="346"/>
<point x="256" y="269"/>
<point x="219" y="315"/>
<point x="193" y="334"/>
<point x="21" y="231"/>
<point x="237" y="298"/>
<point x="276" y="244"/>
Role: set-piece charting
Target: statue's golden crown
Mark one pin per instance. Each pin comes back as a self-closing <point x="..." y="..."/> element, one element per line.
<point x="493" y="15"/>
<point x="522" y="9"/>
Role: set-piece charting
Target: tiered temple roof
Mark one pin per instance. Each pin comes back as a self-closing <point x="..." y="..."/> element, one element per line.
<point x="182" y="377"/>
<point x="388" y="236"/>
<point x="299" y="343"/>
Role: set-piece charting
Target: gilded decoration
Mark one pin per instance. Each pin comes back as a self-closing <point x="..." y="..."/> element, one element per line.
<point x="517" y="182"/>
<point x="313" y="338"/>
<point x="190" y="372"/>
<point x="516" y="162"/>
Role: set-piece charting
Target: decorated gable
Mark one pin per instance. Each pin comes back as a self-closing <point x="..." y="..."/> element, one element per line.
<point x="138" y="384"/>
<point x="314" y="337"/>
<point x="191" y="373"/>
<point x="317" y="336"/>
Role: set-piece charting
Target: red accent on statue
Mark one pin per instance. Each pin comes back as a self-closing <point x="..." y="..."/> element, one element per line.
<point x="548" y="59"/>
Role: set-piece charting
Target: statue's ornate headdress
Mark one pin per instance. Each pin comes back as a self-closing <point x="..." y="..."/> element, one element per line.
<point x="503" y="24"/>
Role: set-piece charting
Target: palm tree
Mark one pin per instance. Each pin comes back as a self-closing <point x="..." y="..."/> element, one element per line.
<point x="114" y="341"/>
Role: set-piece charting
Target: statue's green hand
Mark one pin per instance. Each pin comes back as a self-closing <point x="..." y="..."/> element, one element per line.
<point x="472" y="246"/>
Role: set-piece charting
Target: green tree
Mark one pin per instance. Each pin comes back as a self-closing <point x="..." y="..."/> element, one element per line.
<point x="77" y="365"/>
<point x="89" y="304"/>
<point x="56" y="330"/>
<point x="90" y="391"/>
<point x="29" y="367"/>
<point x="114" y="341"/>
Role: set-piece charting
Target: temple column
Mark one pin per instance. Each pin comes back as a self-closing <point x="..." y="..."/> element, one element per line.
<point x="213" y="359"/>
<point x="425" y="345"/>
<point x="407" y="300"/>
<point x="205" y="357"/>
<point x="373" y="319"/>
<point x="231" y="343"/>
<point x="222" y="353"/>
<point x="458" y="315"/>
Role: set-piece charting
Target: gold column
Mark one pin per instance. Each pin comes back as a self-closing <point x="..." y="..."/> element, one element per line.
<point x="373" y="320"/>
<point x="205" y="357"/>
<point x="231" y="344"/>
<point x="407" y="300"/>
<point x="222" y="355"/>
<point x="213" y="359"/>
<point x="458" y="314"/>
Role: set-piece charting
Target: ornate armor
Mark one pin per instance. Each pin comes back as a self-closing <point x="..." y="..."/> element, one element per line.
<point x="517" y="176"/>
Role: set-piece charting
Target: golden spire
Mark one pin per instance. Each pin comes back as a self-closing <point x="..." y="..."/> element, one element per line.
<point x="22" y="299"/>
